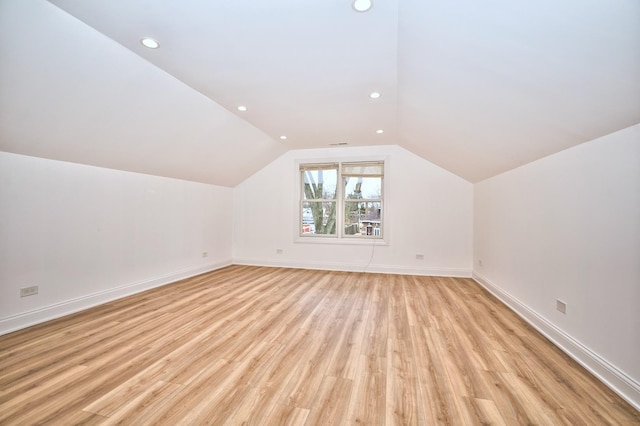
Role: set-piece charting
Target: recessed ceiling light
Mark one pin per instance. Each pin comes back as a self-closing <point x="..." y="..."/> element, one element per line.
<point x="242" y="108"/>
<point x="283" y="137"/>
<point x="374" y="95"/>
<point x="150" y="43"/>
<point x="379" y="131"/>
<point x="362" y="5"/>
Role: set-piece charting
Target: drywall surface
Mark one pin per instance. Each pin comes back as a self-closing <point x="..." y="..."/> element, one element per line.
<point x="428" y="212"/>
<point x="567" y="227"/>
<point x="70" y="93"/>
<point x="85" y="235"/>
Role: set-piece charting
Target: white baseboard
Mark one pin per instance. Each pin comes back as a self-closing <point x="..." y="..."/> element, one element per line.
<point x="40" y="315"/>
<point x="350" y="267"/>
<point x="609" y="374"/>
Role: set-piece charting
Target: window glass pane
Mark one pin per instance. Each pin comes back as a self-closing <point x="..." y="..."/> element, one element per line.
<point x="362" y="218"/>
<point x="363" y="187"/>
<point x="318" y="218"/>
<point x="320" y="184"/>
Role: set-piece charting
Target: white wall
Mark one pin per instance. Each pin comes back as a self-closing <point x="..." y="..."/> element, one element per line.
<point x="568" y="227"/>
<point x="85" y="235"/>
<point x="428" y="211"/>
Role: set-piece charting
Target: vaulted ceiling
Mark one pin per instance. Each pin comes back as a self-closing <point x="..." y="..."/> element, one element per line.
<point x="476" y="87"/>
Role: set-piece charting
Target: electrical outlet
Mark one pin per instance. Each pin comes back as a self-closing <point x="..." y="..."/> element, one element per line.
<point x="278" y="251"/>
<point x="205" y="254"/>
<point x="419" y="256"/>
<point x="561" y="306"/>
<point x="29" y="291"/>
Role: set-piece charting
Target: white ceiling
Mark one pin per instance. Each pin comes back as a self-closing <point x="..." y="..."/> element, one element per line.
<point x="477" y="87"/>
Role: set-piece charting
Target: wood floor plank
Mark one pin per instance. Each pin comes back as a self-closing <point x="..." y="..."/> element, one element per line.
<point x="367" y="405"/>
<point x="484" y="411"/>
<point x="265" y="346"/>
<point x="331" y="402"/>
<point x="141" y="407"/>
<point x="287" y="415"/>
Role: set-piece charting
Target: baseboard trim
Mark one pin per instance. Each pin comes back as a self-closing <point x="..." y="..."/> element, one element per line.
<point x="607" y="373"/>
<point x="47" y="313"/>
<point x="350" y="267"/>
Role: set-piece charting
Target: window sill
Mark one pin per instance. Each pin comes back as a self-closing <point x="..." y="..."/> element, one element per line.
<point x="342" y="241"/>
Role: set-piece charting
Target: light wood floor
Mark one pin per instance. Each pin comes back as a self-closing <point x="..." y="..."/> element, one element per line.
<point x="251" y="345"/>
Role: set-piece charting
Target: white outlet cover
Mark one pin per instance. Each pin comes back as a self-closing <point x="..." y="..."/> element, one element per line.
<point x="561" y="306"/>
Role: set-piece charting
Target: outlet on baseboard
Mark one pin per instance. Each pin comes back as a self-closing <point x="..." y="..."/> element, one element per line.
<point x="278" y="251"/>
<point x="29" y="291"/>
<point x="205" y="254"/>
<point x="419" y="256"/>
<point x="561" y="306"/>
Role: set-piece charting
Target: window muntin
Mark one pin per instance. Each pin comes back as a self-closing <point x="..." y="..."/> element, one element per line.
<point x="351" y="210"/>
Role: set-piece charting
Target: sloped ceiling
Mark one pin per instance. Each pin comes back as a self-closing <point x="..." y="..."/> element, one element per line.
<point x="475" y="87"/>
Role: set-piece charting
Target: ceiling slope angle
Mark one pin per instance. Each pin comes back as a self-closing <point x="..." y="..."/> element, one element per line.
<point x="487" y="87"/>
<point x="302" y="69"/>
<point x="476" y="88"/>
<point x="69" y="93"/>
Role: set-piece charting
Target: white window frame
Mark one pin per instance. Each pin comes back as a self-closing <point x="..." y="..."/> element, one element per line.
<point x="340" y="237"/>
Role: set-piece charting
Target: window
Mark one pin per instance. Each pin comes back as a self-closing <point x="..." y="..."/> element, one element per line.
<point x="353" y="209"/>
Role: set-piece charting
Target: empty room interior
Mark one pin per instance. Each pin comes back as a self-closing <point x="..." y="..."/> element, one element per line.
<point x="334" y="212"/>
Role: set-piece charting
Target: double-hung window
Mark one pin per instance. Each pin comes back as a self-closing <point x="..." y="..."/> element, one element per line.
<point x="342" y="200"/>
